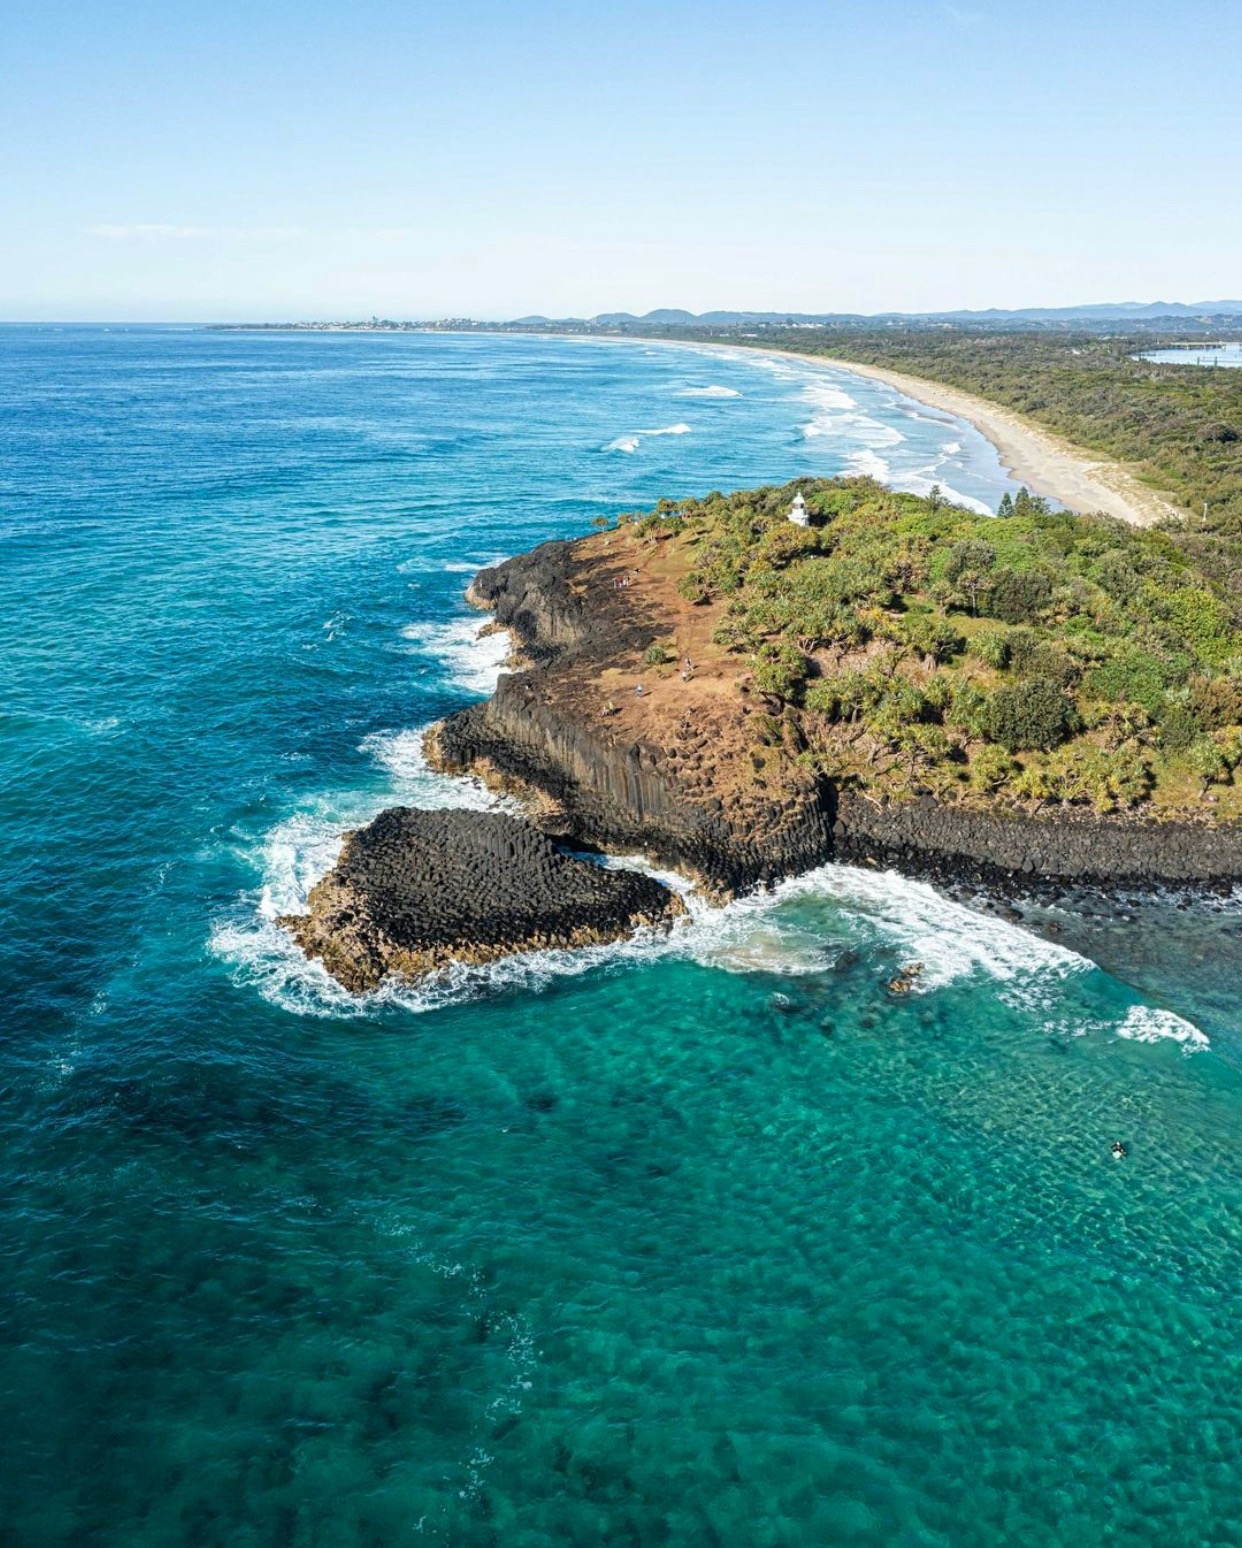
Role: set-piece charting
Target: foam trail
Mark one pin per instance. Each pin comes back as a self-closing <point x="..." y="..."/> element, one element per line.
<point x="415" y="783"/>
<point x="297" y="852"/>
<point x="709" y="392"/>
<point x="469" y="566"/>
<point x="631" y="442"/>
<point x="950" y="940"/>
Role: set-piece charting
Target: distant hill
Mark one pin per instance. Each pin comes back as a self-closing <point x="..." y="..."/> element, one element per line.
<point x="1111" y="311"/>
<point x="1120" y="311"/>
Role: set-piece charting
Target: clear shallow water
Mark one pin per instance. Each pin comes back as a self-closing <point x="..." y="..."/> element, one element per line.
<point x="1222" y="355"/>
<point x="702" y="1241"/>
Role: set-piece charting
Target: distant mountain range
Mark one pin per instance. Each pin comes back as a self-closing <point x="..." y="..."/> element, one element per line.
<point x="1112" y="311"/>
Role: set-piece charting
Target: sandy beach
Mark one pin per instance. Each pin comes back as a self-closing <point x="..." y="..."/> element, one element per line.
<point x="1044" y="462"/>
<point x="1047" y="464"/>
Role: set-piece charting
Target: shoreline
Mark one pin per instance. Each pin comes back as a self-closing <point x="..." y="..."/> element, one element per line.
<point x="1048" y="464"/>
<point x="1045" y="462"/>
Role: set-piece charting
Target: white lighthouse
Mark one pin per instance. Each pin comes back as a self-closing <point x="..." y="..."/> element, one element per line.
<point x="798" y="512"/>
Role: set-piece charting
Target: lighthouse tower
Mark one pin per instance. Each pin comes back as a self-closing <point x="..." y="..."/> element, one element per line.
<point x="798" y="512"/>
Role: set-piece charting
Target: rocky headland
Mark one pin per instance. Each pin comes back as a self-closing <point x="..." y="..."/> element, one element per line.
<point x="697" y="685"/>
<point x="690" y="762"/>
<point x="415" y="891"/>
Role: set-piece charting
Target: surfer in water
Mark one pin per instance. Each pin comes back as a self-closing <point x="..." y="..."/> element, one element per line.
<point x="1119" y="1150"/>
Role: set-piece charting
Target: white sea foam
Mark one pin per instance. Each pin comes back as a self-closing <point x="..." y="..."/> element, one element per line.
<point x="1149" y="1024"/>
<point x="300" y="850"/>
<point x="798" y="928"/>
<point x="838" y="418"/>
<point x="623" y="443"/>
<point x="472" y="660"/>
<point x="919" y="481"/>
<point x="869" y="465"/>
<point x="950" y="940"/>
<point x="297" y="852"/>
<point x="829" y="396"/>
<point x="401" y="754"/>
<point x="427" y="564"/>
<point x="709" y="392"/>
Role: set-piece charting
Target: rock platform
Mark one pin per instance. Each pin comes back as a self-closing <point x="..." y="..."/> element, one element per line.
<point x="415" y="891"/>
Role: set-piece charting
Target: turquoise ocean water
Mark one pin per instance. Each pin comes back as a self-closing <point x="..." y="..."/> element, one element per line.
<point x="706" y="1241"/>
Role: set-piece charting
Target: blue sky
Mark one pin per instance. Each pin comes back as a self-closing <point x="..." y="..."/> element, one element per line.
<point x="247" y="160"/>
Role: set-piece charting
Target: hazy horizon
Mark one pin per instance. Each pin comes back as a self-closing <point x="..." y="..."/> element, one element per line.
<point x="280" y="164"/>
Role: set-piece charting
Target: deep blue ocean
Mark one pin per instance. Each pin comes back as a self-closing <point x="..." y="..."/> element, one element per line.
<point x="707" y="1241"/>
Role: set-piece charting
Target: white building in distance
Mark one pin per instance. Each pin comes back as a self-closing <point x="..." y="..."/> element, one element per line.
<point x="798" y="512"/>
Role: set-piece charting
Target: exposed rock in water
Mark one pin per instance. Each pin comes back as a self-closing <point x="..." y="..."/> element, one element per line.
<point x="415" y="890"/>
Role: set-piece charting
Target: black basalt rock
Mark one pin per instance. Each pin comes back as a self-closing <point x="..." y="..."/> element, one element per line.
<point x="416" y="890"/>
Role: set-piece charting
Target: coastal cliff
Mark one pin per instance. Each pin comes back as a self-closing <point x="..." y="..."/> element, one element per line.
<point x="627" y="727"/>
<point x="646" y="775"/>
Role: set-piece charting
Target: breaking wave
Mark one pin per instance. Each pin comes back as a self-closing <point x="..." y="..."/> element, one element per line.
<point x="472" y="658"/>
<point x="1149" y="1024"/>
<point x="799" y="929"/>
<point x="631" y="442"/>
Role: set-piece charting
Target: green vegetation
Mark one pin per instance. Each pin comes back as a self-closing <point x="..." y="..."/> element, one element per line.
<point x="1181" y="426"/>
<point x="1040" y="657"/>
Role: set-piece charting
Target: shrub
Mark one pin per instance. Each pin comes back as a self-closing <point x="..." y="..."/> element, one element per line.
<point x="922" y="743"/>
<point x="1121" y="722"/>
<point x="1200" y="618"/>
<point x="1215" y="702"/>
<point x="969" y="708"/>
<point x="972" y="554"/>
<point x="780" y="669"/>
<point x="1051" y="662"/>
<point x="991" y="646"/>
<point x="1207" y="759"/>
<point x="786" y="543"/>
<point x="1034" y="783"/>
<point x="1179" y="727"/>
<point x="1017" y="596"/>
<point x="1135" y="676"/>
<point x="656" y="655"/>
<point x="990" y="768"/>
<point x="1030" y="715"/>
<point x="1106" y="779"/>
<point x="734" y="634"/>
<point x="931" y="636"/>
<point x="1023" y="645"/>
<point x="840" y="698"/>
